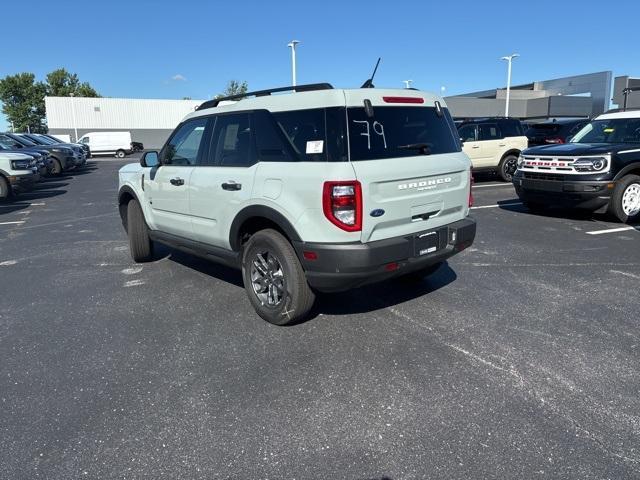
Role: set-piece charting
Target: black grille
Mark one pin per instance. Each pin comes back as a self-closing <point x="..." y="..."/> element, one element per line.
<point x="543" y="176"/>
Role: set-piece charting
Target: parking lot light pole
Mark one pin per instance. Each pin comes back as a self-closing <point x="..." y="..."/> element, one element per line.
<point x="73" y="117"/>
<point x="292" y="46"/>
<point x="407" y="83"/>
<point x="509" y="59"/>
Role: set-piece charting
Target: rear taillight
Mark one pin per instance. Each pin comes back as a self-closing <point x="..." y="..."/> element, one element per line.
<point x="470" y="188"/>
<point x="554" y="140"/>
<point x="342" y="204"/>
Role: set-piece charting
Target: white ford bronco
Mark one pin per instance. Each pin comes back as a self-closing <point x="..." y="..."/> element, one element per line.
<point x="17" y="171"/>
<point x="320" y="189"/>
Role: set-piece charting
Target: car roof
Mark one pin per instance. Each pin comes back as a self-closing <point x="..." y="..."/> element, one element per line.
<point x="321" y="99"/>
<point x="613" y="115"/>
<point x="561" y="121"/>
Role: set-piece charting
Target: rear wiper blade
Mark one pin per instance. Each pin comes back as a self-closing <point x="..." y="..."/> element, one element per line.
<point x="424" y="148"/>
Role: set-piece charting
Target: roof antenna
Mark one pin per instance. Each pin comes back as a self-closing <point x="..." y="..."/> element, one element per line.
<point x="369" y="83"/>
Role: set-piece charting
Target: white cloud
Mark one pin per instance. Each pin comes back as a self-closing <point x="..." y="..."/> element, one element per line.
<point x="179" y="78"/>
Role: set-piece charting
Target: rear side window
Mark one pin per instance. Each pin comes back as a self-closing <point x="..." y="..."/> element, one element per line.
<point x="231" y="141"/>
<point x="512" y="128"/>
<point x="305" y="132"/>
<point x="399" y="132"/>
<point x="271" y="143"/>
<point x="489" y="131"/>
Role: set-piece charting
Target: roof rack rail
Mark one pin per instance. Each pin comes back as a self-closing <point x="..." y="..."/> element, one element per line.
<point x="263" y="93"/>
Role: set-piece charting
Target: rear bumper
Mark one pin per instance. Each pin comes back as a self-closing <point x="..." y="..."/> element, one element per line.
<point x="340" y="267"/>
<point x="583" y="194"/>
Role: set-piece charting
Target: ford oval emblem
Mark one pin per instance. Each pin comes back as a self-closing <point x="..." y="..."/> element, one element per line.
<point x="378" y="212"/>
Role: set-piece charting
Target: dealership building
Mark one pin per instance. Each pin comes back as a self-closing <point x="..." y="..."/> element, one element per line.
<point x="151" y="121"/>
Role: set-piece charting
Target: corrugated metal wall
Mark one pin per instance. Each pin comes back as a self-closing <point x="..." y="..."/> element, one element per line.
<point x="116" y="113"/>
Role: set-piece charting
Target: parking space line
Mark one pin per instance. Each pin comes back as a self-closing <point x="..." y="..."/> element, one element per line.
<point x="12" y="223"/>
<point x="612" y="230"/>
<point x="494" y="185"/>
<point x="510" y="204"/>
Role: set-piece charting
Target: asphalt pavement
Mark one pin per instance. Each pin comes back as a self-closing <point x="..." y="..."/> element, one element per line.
<point x="520" y="358"/>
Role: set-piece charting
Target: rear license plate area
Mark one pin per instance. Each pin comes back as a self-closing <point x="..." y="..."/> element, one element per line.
<point x="426" y="242"/>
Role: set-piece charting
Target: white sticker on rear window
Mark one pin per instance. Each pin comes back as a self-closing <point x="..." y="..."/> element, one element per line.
<point x="315" y="146"/>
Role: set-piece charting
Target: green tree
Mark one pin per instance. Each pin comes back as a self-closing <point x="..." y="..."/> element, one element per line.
<point x="234" y="87"/>
<point x="61" y="83"/>
<point x="23" y="102"/>
<point x="22" y="96"/>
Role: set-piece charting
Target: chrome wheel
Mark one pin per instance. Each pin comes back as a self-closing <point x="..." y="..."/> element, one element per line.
<point x="631" y="200"/>
<point x="267" y="279"/>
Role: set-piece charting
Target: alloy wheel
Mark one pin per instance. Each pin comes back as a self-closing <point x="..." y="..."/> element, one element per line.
<point x="267" y="279"/>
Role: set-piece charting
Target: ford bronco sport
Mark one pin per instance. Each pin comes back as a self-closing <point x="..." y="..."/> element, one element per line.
<point x="598" y="170"/>
<point x="17" y="171"/>
<point x="493" y="144"/>
<point x="317" y="190"/>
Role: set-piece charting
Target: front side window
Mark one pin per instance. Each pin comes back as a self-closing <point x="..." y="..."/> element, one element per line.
<point x="399" y="132"/>
<point x="489" y="131"/>
<point x="467" y="133"/>
<point x="618" y="130"/>
<point x="184" y="146"/>
<point x="231" y="141"/>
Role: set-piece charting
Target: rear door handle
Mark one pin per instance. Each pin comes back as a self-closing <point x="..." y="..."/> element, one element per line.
<point x="232" y="186"/>
<point x="176" y="181"/>
<point x="475" y="146"/>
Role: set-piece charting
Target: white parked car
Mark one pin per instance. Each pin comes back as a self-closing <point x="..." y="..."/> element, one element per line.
<point x="493" y="144"/>
<point x="17" y="171"/>
<point x="318" y="190"/>
<point x="108" y="143"/>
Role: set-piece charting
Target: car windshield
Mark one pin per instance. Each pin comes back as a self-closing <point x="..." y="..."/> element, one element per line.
<point x="618" y="130"/>
<point x="25" y="141"/>
<point x="400" y="132"/>
<point x="32" y="138"/>
<point x="43" y="139"/>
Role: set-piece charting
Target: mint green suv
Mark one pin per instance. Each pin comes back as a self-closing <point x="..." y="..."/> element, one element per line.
<point x="319" y="189"/>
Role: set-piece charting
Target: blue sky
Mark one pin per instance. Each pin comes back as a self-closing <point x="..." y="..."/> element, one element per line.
<point x="173" y="49"/>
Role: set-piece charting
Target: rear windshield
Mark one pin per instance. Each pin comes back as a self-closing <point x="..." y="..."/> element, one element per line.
<point x="543" y="129"/>
<point x="400" y="132"/>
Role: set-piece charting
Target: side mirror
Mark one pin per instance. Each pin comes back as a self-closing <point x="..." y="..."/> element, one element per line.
<point x="461" y="141"/>
<point x="150" y="159"/>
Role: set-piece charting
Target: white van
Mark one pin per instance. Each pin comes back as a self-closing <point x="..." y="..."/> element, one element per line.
<point x="108" y="143"/>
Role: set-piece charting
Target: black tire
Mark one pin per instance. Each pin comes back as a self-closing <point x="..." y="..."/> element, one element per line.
<point x="56" y="168"/>
<point x="140" y="244"/>
<point x="121" y="154"/>
<point x="507" y="167"/>
<point x="419" y="275"/>
<point x="627" y="190"/>
<point x="5" y="188"/>
<point x="278" y="272"/>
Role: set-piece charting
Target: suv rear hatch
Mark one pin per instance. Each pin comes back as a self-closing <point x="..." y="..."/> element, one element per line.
<point x="406" y="155"/>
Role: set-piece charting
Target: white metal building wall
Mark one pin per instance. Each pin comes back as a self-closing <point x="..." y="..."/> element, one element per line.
<point x="116" y="113"/>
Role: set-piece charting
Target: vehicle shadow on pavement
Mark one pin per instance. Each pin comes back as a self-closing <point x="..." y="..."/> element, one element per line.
<point x="216" y="270"/>
<point x="565" y="213"/>
<point x="382" y="295"/>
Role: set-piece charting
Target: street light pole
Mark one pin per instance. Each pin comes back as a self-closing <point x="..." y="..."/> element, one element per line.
<point x="509" y="59"/>
<point x="73" y="116"/>
<point x="407" y="83"/>
<point x="292" y="46"/>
